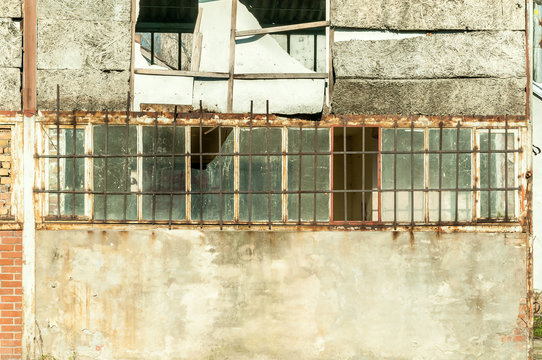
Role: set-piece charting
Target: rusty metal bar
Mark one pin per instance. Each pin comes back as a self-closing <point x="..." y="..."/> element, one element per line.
<point x="300" y="170"/>
<point x="106" y="174"/>
<point x="201" y="163"/>
<point x="58" y="149"/>
<point x="411" y="173"/>
<point x="363" y="148"/>
<point x="304" y="153"/>
<point x="345" y="173"/>
<point x="250" y="164"/>
<point x="73" y="161"/>
<point x="506" y="167"/>
<point x="441" y="133"/>
<point x="155" y="167"/>
<point x="126" y="172"/>
<point x="457" y="173"/>
<point x="315" y="175"/>
<point x="395" y="177"/>
<point x="268" y="166"/>
<point x="220" y="173"/>
<point x="489" y="174"/>
<point x="172" y="166"/>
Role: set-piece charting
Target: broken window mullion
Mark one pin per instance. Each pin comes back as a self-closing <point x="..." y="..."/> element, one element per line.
<point x="506" y="168"/>
<point x="139" y="144"/>
<point x="89" y="172"/>
<point x="300" y="170"/>
<point x="284" y="174"/>
<point x="412" y="172"/>
<point x="250" y="165"/>
<point x="268" y="164"/>
<point x="315" y="170"/>
<point x="220" y="173"/>
<point x="441" y="134"/>
<point x="426" y="195"/>
<point x="188" y="172"/>
<point x="457" y="173"/>
<point x="126" y="172"/>
<point x="171" y="178"/>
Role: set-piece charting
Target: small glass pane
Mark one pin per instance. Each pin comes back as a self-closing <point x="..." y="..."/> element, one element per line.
<point x="163" y="175"/>
<point x="493" y="177"/>
<point x="266" y="177"/>
<point x="409" y="175"/>
<point x="309" y="182"/>
<point x="447" y="177"/>
<point x="211" y="173"/>
<point x="70" y="175"/>
<point x="120" y="177"/>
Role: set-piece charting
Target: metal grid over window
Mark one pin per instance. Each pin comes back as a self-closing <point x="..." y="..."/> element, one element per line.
<point x="348" y="172"/>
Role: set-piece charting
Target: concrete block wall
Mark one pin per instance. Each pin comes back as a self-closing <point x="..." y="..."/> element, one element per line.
<point x="11" y="292"/>
<point x="11" y="43"/>
<point x="85" y="47"/>
<point x="462" y="57"/>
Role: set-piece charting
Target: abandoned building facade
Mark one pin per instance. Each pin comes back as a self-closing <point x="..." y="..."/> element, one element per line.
<point x="239" y="179"/>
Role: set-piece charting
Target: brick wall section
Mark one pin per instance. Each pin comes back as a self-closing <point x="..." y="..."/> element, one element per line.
<point x="11" y="295"/>
<point x="5" y="173"/>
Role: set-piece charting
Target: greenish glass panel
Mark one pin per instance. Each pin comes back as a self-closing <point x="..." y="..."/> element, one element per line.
<point x="308" y="181"/>
<point x="264" y="178"/>
<point x="121" y="175"/>
<point x="167" y="176"/>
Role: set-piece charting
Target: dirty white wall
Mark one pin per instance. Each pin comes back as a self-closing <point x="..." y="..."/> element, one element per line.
<point x="537" y="194"/>
<point x="11" y="42"/>
<point x="280" y="295"/>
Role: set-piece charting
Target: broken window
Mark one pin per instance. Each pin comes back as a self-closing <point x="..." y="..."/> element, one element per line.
<point x="294" y="173"/>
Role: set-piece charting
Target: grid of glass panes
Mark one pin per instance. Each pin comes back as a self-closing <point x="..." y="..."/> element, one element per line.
<point x="354" y="175"/>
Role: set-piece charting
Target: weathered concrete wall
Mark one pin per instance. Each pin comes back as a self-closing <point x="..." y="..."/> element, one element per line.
<point x="11" y="42"/>
<point x="473" y="54"/>
<point x="443" y="73"/>
<point x="430" y="96"/>
<point x="280" y="295"/>
<point x="85" y="47"/>
<point x="429" y="15"/>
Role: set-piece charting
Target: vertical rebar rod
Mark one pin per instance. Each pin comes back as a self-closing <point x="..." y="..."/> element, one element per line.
<point x="457" y="148"/>
<point x="106" y="151"/>
<point x="268" y="165"/>
<point x="180" y="55"/>
<point x="300" y="170"/>
<point x="315" y="175"/>
<point x="126" y="172"/>
<point x="345" y="174"/>
<point x="363" y="148"/>
<point x="411" y="172"/>
<point x="154" y="167"/>
<point x="441" y="133"/>
<point x="58" y="150"/>
<point x="73" y="162"/>
<point x="171" y="178"/>
<point x="201" y="163"/>
<point x="395" y="176"/>
<point x="250" y="165"/>
<point x="506" y="167"/>
<point x="489" y="174"/>
<point x="220" y="196"/>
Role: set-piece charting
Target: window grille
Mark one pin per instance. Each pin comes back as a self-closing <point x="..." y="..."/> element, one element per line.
<point x="287" y="173"/>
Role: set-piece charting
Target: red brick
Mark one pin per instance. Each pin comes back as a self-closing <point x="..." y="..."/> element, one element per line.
<point x="6" y="276"/>
<point x="6" y="350"/>
<point x="11" y="328"/>
<point x="6" y="291"/>
<point x="6" y="321"/>
<point x="18" y="335"/>
<point x="7" y="262"/>
<point x="520" y="338"/>
<point x="12" y="240"/>
<point x="8" y="247"/>
<point x="7" y="306"/>
<point x="18" y="291"/>
<point x="17" y="276"/>
<point x="5" y="335"/>
<point x="18" y="248"/>
<point x="17" y="306"/>
<point x="17" y="350"/>
<point x="16" y="298"/>
<point x="12" y="343"/>
<point x="5" y="232"/>
<point x="11" y="254"/>
<point x="18" y="320"/>
<point x="12" y="284"/>
<point x="12" y="314"/>
<point x="18" y="261"/>
<point x="12" y="269"/>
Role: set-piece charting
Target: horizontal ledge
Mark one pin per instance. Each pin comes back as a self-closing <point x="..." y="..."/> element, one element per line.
<point x="219" y="75"/>
<point x="284" y="28"/>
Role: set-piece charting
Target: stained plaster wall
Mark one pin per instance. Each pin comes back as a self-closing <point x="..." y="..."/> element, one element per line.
<point x="85" y="47"/>
<point x="11" y="43"/>
<point x="280" y="295"/>
<point x="472" y="61"/>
